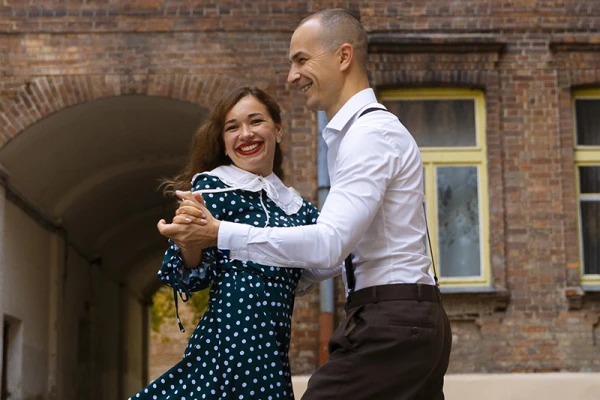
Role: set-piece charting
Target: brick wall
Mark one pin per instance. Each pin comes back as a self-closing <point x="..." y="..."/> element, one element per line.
<point x="526" y="55"/>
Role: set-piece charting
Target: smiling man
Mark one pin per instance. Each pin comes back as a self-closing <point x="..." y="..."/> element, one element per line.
<point x="395" y="341"/>
<point x="320" y="49"/>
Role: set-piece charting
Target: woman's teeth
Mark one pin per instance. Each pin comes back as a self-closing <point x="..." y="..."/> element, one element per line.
<point x="249" y="148"/>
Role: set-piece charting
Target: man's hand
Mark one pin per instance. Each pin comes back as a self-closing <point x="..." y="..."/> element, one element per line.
<point x="193" y="226"/>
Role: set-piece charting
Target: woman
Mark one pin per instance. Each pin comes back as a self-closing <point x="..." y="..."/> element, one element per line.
<point x="239" y="350"/>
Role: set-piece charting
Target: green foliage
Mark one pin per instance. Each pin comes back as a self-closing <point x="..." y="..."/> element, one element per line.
<point x="199" y="303"/>
<point x="163" y="307"/>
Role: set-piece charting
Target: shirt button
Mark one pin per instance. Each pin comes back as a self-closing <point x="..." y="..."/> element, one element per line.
<point x="415" y="330"/>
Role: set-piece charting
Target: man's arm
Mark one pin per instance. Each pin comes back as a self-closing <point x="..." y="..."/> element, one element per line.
<point x="366" y="163"/>
<point x="311" y="277"/>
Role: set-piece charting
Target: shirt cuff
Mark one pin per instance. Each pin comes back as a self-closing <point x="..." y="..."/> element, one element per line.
<point x="234" y="237"/>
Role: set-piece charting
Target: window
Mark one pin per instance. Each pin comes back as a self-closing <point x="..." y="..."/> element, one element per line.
<point x="587" y="167"/>
<point x="449" y="127"/>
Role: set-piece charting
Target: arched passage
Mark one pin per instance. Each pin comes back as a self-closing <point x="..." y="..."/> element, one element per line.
<point x="80" y="247"/>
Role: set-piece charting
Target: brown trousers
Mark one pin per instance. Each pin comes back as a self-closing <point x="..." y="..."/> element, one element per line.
<point x="389" y="350"/>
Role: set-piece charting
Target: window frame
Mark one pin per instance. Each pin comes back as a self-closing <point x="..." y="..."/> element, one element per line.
<point x="434" y="157"/>
<point x="584" y="156"/>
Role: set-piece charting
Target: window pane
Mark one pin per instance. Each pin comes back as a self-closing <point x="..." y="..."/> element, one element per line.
<point x="587" y="112"/>
<point x="589" y="179"/>
<point x="437" y="123"/>
<point x="590" y="230"/>
<point x="458" y="219"/>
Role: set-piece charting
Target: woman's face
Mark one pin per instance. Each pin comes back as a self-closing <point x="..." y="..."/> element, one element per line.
<point x="250" y="135"/>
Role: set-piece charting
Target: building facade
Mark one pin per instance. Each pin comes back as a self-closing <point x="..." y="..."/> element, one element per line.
<point x="98" y="100"/>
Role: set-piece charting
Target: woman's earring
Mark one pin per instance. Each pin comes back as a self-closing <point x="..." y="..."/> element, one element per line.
<point x="226" y="153"/>
<point x="278" y="140"/>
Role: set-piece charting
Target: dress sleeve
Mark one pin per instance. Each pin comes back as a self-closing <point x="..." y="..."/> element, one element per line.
<point x="173" y="272"/>
<point x="184" y="280"/>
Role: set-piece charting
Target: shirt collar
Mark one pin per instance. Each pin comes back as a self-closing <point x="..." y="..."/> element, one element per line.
<point x="357" y="102"/>
<point x="286" y="198"/>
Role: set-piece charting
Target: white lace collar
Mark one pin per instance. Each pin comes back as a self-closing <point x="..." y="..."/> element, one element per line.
<point x="284" y="197"/>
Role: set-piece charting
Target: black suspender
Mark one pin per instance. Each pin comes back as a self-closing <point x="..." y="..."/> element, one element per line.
<point x="368" y="110"/>
<point x="350" y="279"/>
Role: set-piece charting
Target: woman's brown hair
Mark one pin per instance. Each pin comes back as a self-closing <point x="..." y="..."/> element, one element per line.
<point x="208" y="147"/>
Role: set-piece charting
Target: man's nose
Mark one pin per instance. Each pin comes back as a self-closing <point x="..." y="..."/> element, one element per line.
<point x="293" y="75"/>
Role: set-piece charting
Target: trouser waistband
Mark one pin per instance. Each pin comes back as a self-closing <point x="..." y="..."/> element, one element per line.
<point x="398" y="291"/>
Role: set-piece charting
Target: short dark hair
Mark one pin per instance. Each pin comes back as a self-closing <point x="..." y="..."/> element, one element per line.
<point x="341" y="26"/>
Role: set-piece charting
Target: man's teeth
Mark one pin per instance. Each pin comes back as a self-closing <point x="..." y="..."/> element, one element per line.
<point x="249" y="148"/>
<point x="305" y="88"/>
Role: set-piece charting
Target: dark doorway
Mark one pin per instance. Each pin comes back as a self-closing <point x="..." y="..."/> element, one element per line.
<point x="5" y="394"/>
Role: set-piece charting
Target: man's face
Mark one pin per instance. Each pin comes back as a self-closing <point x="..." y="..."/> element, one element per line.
<point x="314" y="68"/>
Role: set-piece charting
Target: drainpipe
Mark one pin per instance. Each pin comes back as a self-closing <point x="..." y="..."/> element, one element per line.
<point x="325" y="287"/>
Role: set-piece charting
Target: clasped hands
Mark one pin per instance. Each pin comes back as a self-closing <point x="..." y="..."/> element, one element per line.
<point x="193" y="228"/>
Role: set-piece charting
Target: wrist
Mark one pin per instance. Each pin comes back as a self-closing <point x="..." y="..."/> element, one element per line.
<point x="217" y="225"/>
<point x="190" y="257"/>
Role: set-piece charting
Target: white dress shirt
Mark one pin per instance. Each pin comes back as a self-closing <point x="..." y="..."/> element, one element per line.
<point x="374" y="208"/>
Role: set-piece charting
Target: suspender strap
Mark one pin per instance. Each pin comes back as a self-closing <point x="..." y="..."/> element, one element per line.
<point x="435" y="278"/>
<point x="350" y="280"/>
<point x="368" y="110"/>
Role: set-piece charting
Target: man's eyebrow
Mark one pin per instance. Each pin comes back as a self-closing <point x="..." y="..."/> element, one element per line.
<point x="297" y="55"/>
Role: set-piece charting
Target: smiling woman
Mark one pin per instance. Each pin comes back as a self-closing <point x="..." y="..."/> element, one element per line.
<point x="208" y="148"/>
<point x="239" y="348"/>
<point x="251" y="136"/>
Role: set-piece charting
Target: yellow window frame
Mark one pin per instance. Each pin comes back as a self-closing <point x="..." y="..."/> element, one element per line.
<point x="434" y="157"/>
<point x="584" y="156"/>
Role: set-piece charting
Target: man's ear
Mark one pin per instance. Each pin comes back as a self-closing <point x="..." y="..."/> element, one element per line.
<point x="346" y="54"/>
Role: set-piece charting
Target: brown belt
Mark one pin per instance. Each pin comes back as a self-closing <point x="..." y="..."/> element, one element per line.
<point x="398" y="291"/>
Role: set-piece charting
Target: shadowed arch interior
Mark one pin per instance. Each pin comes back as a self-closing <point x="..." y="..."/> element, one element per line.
<point x="94" y="168"/>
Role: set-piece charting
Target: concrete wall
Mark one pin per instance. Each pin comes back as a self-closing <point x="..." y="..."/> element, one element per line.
<point x="25" y="266"/>
<point x="2" y="281"/>
<point x="75" y="334"/>
<point x="76" y="328"/>
<point x="106" y="343"/>
<point x="134" y="351"/>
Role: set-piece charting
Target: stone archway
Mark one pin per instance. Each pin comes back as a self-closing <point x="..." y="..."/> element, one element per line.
<point x="47" y="95"/>
<point x="81" y="160"/>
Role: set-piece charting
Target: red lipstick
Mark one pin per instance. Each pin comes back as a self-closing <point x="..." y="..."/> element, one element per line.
<point x="250" y="152"/>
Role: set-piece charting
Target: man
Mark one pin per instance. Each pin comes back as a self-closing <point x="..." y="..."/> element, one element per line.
<point x="395" y="342"/>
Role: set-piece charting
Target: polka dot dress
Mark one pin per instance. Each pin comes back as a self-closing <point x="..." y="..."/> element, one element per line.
<point x="239" y="349"/>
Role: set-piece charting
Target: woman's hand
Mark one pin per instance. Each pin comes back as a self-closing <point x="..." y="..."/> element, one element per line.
<point x="193" y="226"/>
<point x="191" y="209"/>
